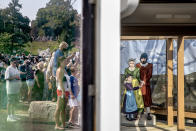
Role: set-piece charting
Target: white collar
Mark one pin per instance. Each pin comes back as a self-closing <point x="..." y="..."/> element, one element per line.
<point x="131" y="69"/>
<point x="144" y="65"/>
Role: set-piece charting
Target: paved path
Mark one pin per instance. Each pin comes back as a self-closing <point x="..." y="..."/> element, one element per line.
<point x="157" y="128"/>
<point x="27" y="125"/>
<point x="160" y="126"/>
<point x="140" y="122"/>
<point x="30" y="126"/>
<point x="24" y="125"/>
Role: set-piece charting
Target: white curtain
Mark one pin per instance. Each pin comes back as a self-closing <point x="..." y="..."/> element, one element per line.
<point x="156" y="50"/>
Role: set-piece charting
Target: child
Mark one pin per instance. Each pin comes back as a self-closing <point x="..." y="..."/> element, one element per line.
<point x="129" y="106"/>
<point x="73" y="102"/>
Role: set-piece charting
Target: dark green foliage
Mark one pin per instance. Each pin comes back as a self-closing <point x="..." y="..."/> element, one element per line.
<point x="15" y="25"/>
<point x="5" y="42"/>
<point x="57" y="20"/>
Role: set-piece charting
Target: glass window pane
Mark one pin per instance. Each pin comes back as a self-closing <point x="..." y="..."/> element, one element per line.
<point x="40" y="84"/>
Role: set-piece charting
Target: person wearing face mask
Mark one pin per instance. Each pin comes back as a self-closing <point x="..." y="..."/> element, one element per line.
<point x="145" y="76"/>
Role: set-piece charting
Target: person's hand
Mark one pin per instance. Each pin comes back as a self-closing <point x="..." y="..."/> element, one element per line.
<point x="23" y="73"/>
<point x="17" y="77"/>
<point x="63" y="95"/>
<point x="72" y="96"/>
<point x="63" y="91"/>
<point x="73" y="54"/>
<point x="50" y="78"/>
<point x="38" y="85"/>
<point x="142" y="83"/>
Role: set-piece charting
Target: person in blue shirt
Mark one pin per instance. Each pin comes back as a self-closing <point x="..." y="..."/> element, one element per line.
<point x="73" y="101"/>
<point x="59" y="52"/>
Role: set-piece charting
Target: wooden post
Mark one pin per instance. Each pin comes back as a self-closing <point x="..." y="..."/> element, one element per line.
<point x="170" y="120"/>
<point x="180" y="84"/>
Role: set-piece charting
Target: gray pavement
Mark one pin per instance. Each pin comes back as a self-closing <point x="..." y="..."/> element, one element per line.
<point x="25" y="124"/>
<point x="160" y="126"/>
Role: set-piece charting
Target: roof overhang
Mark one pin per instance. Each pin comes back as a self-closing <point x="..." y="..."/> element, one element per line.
<point x="162" y="14"/>
<point x="151" y="18"/>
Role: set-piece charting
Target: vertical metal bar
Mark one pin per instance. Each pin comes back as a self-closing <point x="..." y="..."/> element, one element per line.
<point x="88" y="57"/>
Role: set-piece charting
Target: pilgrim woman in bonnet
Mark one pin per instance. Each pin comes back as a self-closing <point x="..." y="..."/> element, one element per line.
<point x="134" y="72"/>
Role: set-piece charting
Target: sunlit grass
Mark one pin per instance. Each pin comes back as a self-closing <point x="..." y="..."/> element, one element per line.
<point x="35" y="46"/>
<point x="52" y="45"/>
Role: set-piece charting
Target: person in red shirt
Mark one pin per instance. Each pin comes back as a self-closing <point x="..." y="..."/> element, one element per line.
<point x="145" y="76"/>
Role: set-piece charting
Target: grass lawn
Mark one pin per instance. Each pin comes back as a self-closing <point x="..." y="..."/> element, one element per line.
<point x="35" y="46"/>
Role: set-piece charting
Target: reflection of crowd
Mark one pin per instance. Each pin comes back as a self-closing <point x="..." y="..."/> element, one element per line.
<point x="33" y="78"/>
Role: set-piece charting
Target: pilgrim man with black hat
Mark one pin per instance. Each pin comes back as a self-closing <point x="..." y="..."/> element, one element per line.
<point x="145" y="76"/>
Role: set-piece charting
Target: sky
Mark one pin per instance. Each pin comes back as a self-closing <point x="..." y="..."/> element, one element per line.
<point x="30" y="7"/>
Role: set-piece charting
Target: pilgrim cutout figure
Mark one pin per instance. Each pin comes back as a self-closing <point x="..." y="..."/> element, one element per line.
<point x="129" y="106"/>
<point x="134" y="81"/>
<point x="145" y="76"/>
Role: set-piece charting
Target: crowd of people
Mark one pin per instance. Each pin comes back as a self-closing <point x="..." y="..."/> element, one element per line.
<point x="41" y="78"/>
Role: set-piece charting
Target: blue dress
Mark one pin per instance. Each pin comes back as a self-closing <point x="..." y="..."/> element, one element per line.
<point x="129" y="105"/>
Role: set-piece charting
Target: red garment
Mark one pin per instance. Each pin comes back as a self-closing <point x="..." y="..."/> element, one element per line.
<point x="59" y="93"/>
<point x="145" y="75"/>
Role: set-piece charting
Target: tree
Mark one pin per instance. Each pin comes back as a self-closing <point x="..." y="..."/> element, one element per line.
<point x="15" y="24"/>
<point x="5" y="42"/>
<point x="58" y="20"/>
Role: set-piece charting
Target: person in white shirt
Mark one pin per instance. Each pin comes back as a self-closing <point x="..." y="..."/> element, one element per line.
<point x="12" y="77"/>
<point x="50" y="78"/>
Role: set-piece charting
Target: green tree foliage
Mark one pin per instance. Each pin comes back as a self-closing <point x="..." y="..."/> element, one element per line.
<point x="14" y="23"/>
<point x="57" y="20"/>
<point x="5" y="42"/>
